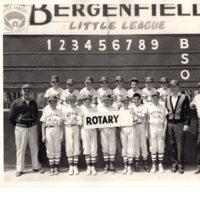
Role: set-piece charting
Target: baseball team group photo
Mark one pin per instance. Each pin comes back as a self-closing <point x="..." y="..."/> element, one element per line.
<point x="160" y="119"/>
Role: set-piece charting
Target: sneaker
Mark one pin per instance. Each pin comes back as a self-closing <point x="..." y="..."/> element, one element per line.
<point x="51" y="172"/>
<point x="88" y="172"/>
<point x="18" y="174"/>
<point x="94" y="172"/>
<point x="71" y="170"/>
<point x="112" y="168"/>
<point x="153" y="169"/>
<point x="106" y="168"/>
<point x="137" y="167"/>
<point x="129" y="170"/>
<point x="146" y="168"/>
<point x="160" y="167"/>
<point x="55" y="171"/>
<point x="76" y="172"/>
<point x="125" y="170"/>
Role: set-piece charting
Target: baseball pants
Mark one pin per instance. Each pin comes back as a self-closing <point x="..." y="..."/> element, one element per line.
<point x="176" y="140"/>
<point x="72" y="140"/>
<point x="22" y="137"/>
<point x="140" y="142"/>
<point x="157" y="143"/>
<point x="53" y="144"/>
<point x="89" y="139"/>
<point x="127" y="140"/>
<point x="108" y="143"/>
<point x="198" y="142"/>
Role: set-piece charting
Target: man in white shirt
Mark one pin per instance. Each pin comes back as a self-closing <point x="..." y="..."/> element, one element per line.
<point x="196" y="104"/>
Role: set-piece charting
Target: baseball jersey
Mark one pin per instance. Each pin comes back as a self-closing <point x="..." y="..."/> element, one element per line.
<point x="72" y="116"/>
<point x="66" y="93"/>
<point x="85" y="92"/>
<point x="130" y="92"/>
<point x="52" y="117"/>
<point x="163" y="94"/>
<point x="196" y="102"/>
<point x="118" y="94"/>
<point x="53" y="92"/>
<point x="101" y="92"/>
<point x="146" y="94"/>
<point x="140" y="110"/>
<point x="157" y="113"/>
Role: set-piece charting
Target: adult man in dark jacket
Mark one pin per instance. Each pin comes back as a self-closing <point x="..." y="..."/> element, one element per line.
<point x="23" y="115"/>
<point x="178" y="108"/>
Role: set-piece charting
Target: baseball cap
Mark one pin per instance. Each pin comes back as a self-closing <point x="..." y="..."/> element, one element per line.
<point x="87" y="97"/>
<point x="26" y="86"/>
<point x="106" y="96"/>
<point x="135" y="80"/>
<point x="71" y="97"/>
<point x="88" y="78"/>
<point x="164" y="80"/>
<point x="54" y="78"/>
<point x="174" y="83"/>
<point x="119" y="78"/>
<point x="70" y="81"/>
<point x="126" y="98"/>
<point x="148" y="79"/>
<point x="52" y="98"/>
<point x="103" y="79"/>
<point x="156" y="93"/>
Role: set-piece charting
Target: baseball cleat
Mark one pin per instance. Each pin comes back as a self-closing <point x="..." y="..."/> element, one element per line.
<point x="71" y="170"/>
<point x="112" y="168"/>
<point x="76" y="172"/>
<point x="153" y="169"/>
<point x="137" y="168"/>
<point x="125" y="170"/>
<point x="55" y="171"/>
<point x="88" y="172"/>
<point x="106" y="169"/>
<point x="51" y="172"/>
<point x="160" y="167"/>
<point x="129" y="170"/>
<point x="94" y="172"/>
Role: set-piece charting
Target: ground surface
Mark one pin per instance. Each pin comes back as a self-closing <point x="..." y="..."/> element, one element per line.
<point x="137" y="179"/>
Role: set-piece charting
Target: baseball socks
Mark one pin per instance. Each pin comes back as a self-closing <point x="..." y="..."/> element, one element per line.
<point x="137" y="166"/>
<point x="125" y="165"/>
<point x="153" y="157"/>
<point x="146" y="167"/>
<point x="51" y="164"/>
<point x="76" y="172"/>
<point x="87" y="160"/>
<point x="160" y="165"/>
<point x="130" y="161"/>
<point x="57" y="161"/>
<point x="93" y="161"/>
<point x="105" y="158"/>
<point x="71" y="168"/>
<point x="112" y="167"/>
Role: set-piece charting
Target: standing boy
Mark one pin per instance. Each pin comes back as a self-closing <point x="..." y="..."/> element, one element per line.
<point x="139" y="127"/>
<point x="119" y="92"/>
<point x="52" y="133"/>
<point x="127" y="140"/>
<point x="72" y="121"/>
<point x="134" y="88"/>
<point x="157" y="124"/>
<point x="108" y="136"/>
<point x="89" y="137"/>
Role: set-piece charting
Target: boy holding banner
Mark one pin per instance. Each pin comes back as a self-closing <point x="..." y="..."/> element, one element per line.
<point x="108" y="136"/>
<point x="89" y="137"/>
<point x="127" y="140"/>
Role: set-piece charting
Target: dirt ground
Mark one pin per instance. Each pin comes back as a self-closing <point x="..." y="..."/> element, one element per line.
<point x="137" y="179"/>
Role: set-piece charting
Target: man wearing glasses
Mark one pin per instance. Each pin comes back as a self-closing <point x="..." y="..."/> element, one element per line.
<point x="178" y="107"/>
<point x="23" y="115"/>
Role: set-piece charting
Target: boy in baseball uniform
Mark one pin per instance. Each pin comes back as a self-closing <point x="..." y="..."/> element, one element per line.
<point x="134" y="88"/>
<point x="164" y="91"/>
<point x="70" y="91"/>
<point x="139" y="128"/>
<point x="157" y="124"/>
<point x="103" y="90"/>
<point x="55" y="90"/>
<point x="119" y="92"/>
<point x="127" y="140"/>
<point x="108" y="136"/>
<point x="89" y="137"/>
<point x="52" y="133"/>
<point x="89" y="90"/>
<point x="148" y="90"/>
<point x="72" y="121"/>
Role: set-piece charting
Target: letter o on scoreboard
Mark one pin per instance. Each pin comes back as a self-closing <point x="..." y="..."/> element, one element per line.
<point x="185" y="74"/>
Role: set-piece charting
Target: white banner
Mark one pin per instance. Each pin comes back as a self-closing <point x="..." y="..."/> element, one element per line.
<point x="108" y="119"/>
<point x="132" y="17"/>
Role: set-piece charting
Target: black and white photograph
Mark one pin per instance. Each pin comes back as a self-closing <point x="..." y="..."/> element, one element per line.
<point x="101" y="92"/>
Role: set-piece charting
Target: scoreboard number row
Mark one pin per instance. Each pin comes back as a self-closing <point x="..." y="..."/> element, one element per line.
<point x="102" y="45"/>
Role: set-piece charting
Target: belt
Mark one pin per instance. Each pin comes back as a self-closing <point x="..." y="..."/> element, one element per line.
<point x="26" y="125"/>
<point x="49" y="126"/>
<point x="71" y="125"/>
